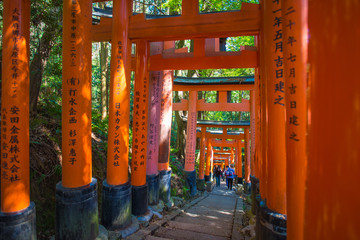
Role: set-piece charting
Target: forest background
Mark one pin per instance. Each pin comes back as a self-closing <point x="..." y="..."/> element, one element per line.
<point x="46" y="94"/>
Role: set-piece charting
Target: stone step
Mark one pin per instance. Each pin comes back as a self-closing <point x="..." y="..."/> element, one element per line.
<point x="206" y="223"/>
<point x="206" y="218"/>
<point x="199" y="228"/>
<point x="149" y="237"/>
<point x="179" y="234"/>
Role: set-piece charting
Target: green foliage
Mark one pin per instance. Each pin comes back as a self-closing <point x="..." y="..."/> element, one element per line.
<point x="172" y="6"/>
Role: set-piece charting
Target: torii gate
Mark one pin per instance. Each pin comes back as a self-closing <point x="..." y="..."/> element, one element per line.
<point x="235" y="143"/>
<point x="222" y="85"/>
<point x="283" y="30"/>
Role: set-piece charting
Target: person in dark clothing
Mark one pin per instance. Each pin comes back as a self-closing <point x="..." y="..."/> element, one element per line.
<point x="230" y="172"/>
<point x="217" y="175"/>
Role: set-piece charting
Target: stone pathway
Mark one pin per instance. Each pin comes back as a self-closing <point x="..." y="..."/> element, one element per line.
<point x="217" y="216"/>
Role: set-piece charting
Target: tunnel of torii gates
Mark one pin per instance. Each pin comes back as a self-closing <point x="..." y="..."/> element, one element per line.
<point x="304" y="160"/>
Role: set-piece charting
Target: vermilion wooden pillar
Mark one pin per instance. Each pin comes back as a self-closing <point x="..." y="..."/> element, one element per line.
<point x="247" y="155"/>
<point x="227" y="161"/>
<point x="239" y="156"/>
<point x="247" y="161"/>
<point x="295" y="44"/>
<point x="155" y="87"/>
<point x="119" y="104"/>
<point x="16" y="210"/>
<point x="165" y="121"/>
<point x="15" y="180"/>
<point x="252" y="136"/>
<point x="271" y="215"/>
<point x="331" y="199"/>
<point x="165" y="132"/>
<point x="202" y="153"/>
<point x="232" y="156"/>
<point x="76" y="108"/>
<point x="191" y="143"/>
<point x="75" y="218"/>
<point x="256" y="138"/>
<point x="165" y="115"/>
<point x="236" y="162"/>
<point x="116" y="195"/>
<point x="211" y="163"/>
<point x="263" y="110"/>
<point x="276" y="198"/>
<point x="208" y="160"/>
<point x="139" y="144"/>
<point x="201" y="178"/>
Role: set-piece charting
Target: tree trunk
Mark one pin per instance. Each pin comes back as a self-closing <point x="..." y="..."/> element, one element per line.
<point x="37" y="66"/>
<point x="180" y="117"/>
<point x="104" y="73"/>
<point x="104" y="70"/>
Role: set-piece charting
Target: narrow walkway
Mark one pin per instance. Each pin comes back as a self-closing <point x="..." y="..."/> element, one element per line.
<point x="218" y="216"/>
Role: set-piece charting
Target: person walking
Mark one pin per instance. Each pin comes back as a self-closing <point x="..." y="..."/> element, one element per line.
<point x="217" y="174"/>
<point x="226" y="173"/>
<point x="230" y="172"/>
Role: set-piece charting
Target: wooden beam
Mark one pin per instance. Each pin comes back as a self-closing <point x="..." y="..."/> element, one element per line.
<point x="189" y="61"/>
<point x="222" y="24"/>
<point x="222" y="143"/>
<point x="225" y="126"/>
<point x="202" y="106"/>
<point x="222" y="136"/>
<point x="229" y="87"/>
<point x="210" y="25"/>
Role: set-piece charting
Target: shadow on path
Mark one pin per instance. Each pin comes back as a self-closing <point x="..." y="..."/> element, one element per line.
<point x="217" y="216"/>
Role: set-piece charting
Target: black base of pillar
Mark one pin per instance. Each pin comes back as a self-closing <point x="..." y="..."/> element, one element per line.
<point x="258" y="202"/>
<point x="200" y="184"/>
<point x="207" y="178"/>
<point x="140" y="200"/>
<point x="19" y="225"/>
<point x="153" y="189"/>
<point x="190" y="178"/>
<point x="272" y="224"/>
<point x="165" y="186"/>
<point x="116" y="206"/>
<point x="247" y="187"/>
<point x="240" y="180"/>
<point x="254" y="192"/>
<point x="77" y="212"/>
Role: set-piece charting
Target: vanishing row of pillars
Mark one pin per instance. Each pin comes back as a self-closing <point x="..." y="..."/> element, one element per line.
<point x="76" y="195"/>
<point x="280" y="157"/>
<point x="303" y="175"/>
<point x="190" y="156"/>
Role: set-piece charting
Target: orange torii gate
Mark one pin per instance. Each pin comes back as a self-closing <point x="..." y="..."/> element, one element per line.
<point x="211" y="136"/>
<point x="206" y="55"/>
<point x="192" y="105"/>
<point x="294" y="184"/>
<point x="236" y="143"/>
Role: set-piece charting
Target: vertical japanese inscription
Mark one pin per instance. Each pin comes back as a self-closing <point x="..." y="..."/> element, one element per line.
<point x="278" y="53"/>
<point x="191" y="132"/>
<point x="73" y="86"/>
<point x="140" y="116"/>
<point x="10" y="118"/>
<point x="292" y="44"/>
<point x="15" y="193"/>
<point x="117" y="92"/>
<point x="76" y="94"/>
<point x="165" y="120"/>
<point x="153" y="122"/>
